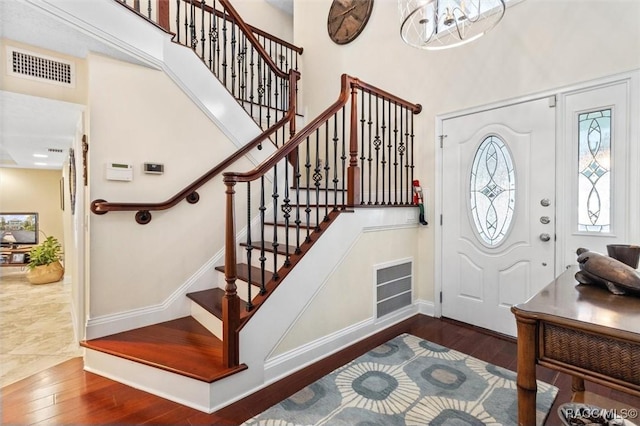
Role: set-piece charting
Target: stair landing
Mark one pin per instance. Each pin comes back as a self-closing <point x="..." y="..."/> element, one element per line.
<point x="182" y="346"/>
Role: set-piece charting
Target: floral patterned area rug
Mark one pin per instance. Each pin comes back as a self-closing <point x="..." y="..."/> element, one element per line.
<point x="408" y="381"/>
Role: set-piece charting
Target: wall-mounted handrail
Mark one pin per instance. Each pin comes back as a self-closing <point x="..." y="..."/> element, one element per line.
<point x="143" y="215"/>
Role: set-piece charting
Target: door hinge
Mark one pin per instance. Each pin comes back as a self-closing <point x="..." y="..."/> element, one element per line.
<point x="552" y="101"/>
<point x="442" y="140"/>
<point x="440" y="297"/>
<point x="440" y="220"/>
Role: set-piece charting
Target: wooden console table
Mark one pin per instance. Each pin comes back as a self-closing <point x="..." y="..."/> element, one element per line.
<point x="581" y="330"/>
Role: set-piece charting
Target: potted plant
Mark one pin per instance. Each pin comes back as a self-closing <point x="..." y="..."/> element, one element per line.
<point x="44" y="262"/>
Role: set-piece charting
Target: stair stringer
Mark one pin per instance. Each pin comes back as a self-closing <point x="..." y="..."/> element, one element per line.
<point x="285" y="304"/>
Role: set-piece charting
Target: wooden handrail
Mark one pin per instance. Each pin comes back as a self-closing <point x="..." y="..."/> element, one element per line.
<point x="248" y="31"/>
<point x="101" y="206"/>
<point x="231" y="320"/>
<point x="347" y="84"/>
<point x="163" y="21"/>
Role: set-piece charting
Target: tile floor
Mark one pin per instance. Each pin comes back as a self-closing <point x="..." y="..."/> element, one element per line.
<point x="36" y="331"/>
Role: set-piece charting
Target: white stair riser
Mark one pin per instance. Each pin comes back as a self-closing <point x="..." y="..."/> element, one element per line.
<point x="269" y="263"/>
<point x="242" y="287"/>
<point x="207" y="319"/>
<point x="320" y="197"/>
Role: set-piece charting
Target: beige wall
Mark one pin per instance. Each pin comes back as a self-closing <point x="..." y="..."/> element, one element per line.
<point x="139" y="115"/>
<point x="347" y="296"/>
<point x="77" y="94"/>
<point x="30" y="190"/>
<point x="539" y="45"/>
<point x="266" y="17"/>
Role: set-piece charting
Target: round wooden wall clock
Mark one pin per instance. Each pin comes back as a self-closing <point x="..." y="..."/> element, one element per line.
<point x="347" y="19"/>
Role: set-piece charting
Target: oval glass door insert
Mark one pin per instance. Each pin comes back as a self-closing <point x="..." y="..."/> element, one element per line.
<point x="492" y="191"/>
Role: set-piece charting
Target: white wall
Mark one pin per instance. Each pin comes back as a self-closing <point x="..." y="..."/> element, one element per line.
<point x="263" y="15"/>
<point x="539" y="45"/>
<point x="139" y="115"/>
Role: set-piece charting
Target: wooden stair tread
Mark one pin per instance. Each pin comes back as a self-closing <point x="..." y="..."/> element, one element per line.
<point x="182" y="346"/>
<point x="211" y="300"/>
<point x="242" y="272"/>
<point x="292" y="225"/>
<point x="268" y="246"/>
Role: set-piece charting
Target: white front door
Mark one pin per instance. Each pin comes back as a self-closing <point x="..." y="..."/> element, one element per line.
<point x="498" y="207"/>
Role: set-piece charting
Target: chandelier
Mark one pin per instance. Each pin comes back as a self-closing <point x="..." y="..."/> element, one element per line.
<point x="441" y="24"/>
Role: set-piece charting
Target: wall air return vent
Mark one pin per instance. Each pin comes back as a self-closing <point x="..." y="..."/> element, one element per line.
<point x="394" y="283"/>
<point x="46" y="69"/>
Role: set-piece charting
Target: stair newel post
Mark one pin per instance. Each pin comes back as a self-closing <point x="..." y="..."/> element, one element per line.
<point x="353" y="172"/>
<point x="231" y="301"/>
<point x="162" y="11"/>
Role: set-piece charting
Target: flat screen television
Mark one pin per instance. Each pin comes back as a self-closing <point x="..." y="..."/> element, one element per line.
<point x="18" y="229"/>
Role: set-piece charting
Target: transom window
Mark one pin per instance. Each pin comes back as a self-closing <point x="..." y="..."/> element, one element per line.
<point x="492" y="191"/>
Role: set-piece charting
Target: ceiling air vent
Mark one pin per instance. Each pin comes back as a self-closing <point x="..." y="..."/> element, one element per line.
<point x="35" y="66"/>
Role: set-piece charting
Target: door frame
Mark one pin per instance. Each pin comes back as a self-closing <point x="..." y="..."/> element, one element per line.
<point x="631" y="78"/>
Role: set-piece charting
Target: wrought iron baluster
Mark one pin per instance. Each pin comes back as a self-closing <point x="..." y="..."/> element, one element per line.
<point x="401" y="149"/>
<point x="327" y="168"/>
<point x="412" y="159"/>
<point x="234" y="46"/>
<point x="376" y="145"/>
<point x="224" y="48"/>
<point x="274" y="244"/>
<point x="407" y="152"/>
<point x="317" y="178"/>
<point x="263" y="257"/>
<point x="211" y="41"/>
<point x="178" y="3"/>
<point x="362" y="156"/>
<point x="149" y="9"/>
<point x="286" y="210"/>
<point x="369" y="143"/>
<point x="335" y="158"/>
<point x="249" y="248"/>
<point x="395" y="155"/>
<point x="343" y="156"/>
<point x="297" y="183"/>
<point x="202" y="31"/>
<point x="193" y="41"/>
<point x="252" y="82"/>
<point x="307" y="209"/>
<point x="383" y="127"/>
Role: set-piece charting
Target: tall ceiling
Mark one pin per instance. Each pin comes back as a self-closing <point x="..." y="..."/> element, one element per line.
<point x="29" y="124"/>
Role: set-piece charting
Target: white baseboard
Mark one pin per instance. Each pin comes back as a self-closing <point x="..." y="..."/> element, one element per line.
<point x="285" y="364"/>
<point x="426" y="307"/>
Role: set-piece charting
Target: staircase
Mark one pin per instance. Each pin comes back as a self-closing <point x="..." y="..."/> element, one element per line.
<point x="356" y="158"/>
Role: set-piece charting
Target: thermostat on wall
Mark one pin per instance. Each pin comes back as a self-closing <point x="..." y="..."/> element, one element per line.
<point x="154" y="168"/>
<point x="119" y="171"/>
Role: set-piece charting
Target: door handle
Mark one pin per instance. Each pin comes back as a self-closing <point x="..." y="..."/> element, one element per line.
<point x="545" y="237"/>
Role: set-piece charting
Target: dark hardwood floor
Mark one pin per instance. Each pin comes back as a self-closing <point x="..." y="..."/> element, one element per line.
<point x="66" y="394"/>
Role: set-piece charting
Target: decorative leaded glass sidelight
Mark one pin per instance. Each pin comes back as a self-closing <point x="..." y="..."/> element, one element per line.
<point x="594" y="171"/>
<point x="492" y="191"/>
